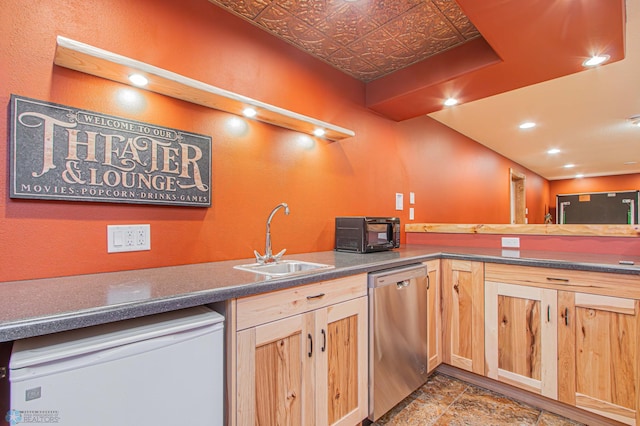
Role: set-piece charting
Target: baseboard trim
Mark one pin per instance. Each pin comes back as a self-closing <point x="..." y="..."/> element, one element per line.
<point x="535" y="400"/>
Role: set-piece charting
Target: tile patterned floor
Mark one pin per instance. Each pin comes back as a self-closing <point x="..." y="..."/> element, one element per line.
<point x="447" y="401"/>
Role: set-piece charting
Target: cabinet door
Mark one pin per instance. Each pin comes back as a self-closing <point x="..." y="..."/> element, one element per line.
<point x="521" y="336"/>
<point x="463" y="313"/>
<point x="434" y="318"/>
<point x="275" y="373"/>
<point x="341" y="356"/>
<point x="598" y="358"/>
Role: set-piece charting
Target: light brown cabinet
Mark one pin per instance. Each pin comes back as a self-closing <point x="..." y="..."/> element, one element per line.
<point x="566" y="335"/>
<point x="599" y="354"/>
<point x="463" y="314"/>
<point x="521" y="336"/>
<point x="275" y="383"/>
<point x="301" y="355"/>
<point x="434" y="317"/>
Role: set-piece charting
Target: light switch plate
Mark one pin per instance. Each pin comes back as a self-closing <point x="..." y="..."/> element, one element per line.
<point x="399" y="201"/>
<point x="411" y="213"/>
<point x="122" y="238"/>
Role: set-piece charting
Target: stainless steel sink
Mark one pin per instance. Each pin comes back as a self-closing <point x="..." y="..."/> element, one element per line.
<point x="283" y="267"/>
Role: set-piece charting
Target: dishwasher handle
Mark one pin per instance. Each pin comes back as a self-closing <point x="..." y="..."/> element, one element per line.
<point x="396" y="276"/>
<point x="402" y="284"/>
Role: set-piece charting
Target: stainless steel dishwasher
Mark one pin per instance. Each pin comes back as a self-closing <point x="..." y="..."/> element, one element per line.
<point x="397" y="336"/>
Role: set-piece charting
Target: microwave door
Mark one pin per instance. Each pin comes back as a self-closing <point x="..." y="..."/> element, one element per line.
<point x="379" y="234"/>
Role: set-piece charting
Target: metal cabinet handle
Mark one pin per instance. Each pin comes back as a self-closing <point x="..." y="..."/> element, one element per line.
<point x="324" y="340"/>
<point x="310" y="345"/>
<point x="564" y="280"/>
<point x="428" y="282"/>
<point x="566" y="316"/>
<point x="317" y="296"/>
<point x="548" y="313"/>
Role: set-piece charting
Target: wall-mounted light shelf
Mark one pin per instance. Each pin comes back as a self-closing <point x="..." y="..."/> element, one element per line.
<point x="102" y="63"/>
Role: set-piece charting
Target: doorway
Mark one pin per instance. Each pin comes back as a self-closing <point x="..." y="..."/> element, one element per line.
<point x="518" y="200"/>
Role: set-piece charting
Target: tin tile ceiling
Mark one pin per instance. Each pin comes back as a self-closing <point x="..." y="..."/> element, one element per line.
<point x="365" y="39"/>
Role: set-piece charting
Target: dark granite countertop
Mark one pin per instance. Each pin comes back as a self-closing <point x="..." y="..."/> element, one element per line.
<point x="36" y="307"/>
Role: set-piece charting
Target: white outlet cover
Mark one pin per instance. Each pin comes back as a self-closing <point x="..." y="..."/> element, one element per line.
<point x="121" y="238"/>
<point x="511" y="242"/>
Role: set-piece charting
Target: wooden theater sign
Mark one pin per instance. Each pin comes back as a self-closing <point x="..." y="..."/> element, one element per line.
<point x="63" y="153"/>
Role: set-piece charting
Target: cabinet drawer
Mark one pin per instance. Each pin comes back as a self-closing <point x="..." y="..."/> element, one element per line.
<point x="618" y="285"/>
<point x="267" y="307"/>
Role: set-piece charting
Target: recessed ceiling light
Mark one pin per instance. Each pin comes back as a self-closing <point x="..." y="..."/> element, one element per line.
<point x="249" y="112"/>
<point x="579" y="175"/>
<point x="569" y="166"/>
<point x="138" y="80"/>
<point x="318" y="132"/>
<point x="553" y="151"/>
<point x="596" y="60"/>
<point x="450" y="102"/>
<point x="630" y="163"/>
<point x="527" y="125"/>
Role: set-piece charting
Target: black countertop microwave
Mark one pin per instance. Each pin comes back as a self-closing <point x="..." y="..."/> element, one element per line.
<point x="362" y="234"/>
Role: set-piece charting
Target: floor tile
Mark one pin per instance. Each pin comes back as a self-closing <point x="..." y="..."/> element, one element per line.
<point x="427" y="404"/>
<point x="479" y="406"/>
<point x="550" y="419"/>
<point x="445" y="401"/>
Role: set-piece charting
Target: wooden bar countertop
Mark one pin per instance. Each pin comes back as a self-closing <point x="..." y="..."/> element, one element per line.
<point x="526" y="229"/>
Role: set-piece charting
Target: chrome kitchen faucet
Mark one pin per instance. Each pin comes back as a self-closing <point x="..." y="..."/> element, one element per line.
<point x="268" y="255"/>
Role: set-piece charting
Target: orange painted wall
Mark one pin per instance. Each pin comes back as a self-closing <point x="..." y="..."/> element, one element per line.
<point x="454" y="178"/>
<point x="461" y="181"/>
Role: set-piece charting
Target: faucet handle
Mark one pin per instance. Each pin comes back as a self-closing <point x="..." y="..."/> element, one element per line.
<point x="259" y="258"/>
<point x="279" y="255"/>
<point x="268" y="259"/>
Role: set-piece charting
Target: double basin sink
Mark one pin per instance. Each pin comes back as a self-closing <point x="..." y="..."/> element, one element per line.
<point x="283" y="268"/>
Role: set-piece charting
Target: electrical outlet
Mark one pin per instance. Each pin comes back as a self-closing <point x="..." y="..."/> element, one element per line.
<point x="128" y="238"/>
<point x="141" y="236"/>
